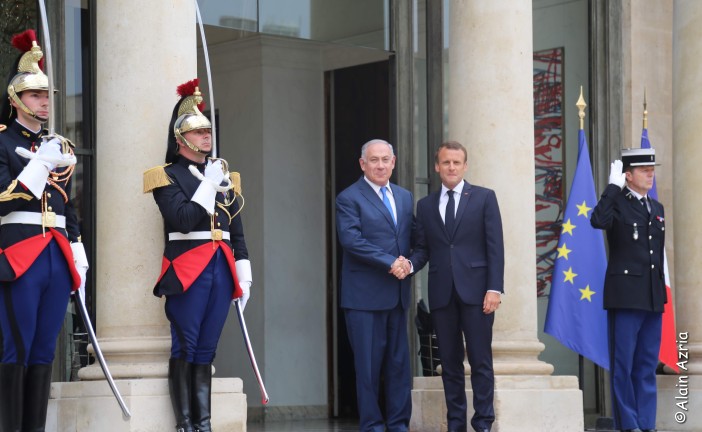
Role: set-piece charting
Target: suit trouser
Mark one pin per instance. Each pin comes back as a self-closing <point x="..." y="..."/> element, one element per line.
<point x="198" y="315"/>
<point x="379" y="343"/>
<point x="634" y="343"/>
<point x="32" y="309"/>
<point x="454" y="323"/>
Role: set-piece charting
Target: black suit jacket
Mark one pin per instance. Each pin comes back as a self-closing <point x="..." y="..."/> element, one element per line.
<point x="635" y="277"/>
<point x="472" y="257"/>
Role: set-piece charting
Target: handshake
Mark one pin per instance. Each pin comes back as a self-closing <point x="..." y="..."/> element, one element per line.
<point x="401" y="268"/>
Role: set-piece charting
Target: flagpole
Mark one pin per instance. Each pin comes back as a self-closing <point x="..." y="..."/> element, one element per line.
<point x="645" y="112"/>
<point x="581" y="109"/>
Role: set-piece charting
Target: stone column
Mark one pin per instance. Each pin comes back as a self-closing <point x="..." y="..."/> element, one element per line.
<point x="491" y="113"/>
<point x="140" y="61"/>
<point x="680" y="396"/>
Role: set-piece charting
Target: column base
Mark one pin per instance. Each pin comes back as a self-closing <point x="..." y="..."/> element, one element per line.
<point x="88" y="406"/>
<point x="678" y="408"/>
<point x="522" y="403"/>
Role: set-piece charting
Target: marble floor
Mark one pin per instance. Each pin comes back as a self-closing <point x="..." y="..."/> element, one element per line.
<point x="323" y="425"/>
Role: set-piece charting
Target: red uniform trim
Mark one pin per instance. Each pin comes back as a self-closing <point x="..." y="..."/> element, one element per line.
<point x="22" y="254"/>
<point x="189" y="265"/>
<point x="65" y="246"/>
<point x="165" y="263"/>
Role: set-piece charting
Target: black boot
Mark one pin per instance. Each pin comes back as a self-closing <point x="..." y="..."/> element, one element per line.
<point x="11" y="396"/>
<point x="37" y="386"/>
<point x="202" y="397"/>
<point x="179" y="376"/>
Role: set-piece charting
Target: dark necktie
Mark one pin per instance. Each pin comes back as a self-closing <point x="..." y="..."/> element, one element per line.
<point x="645" y="204"/>
<point x="450" y="217"/>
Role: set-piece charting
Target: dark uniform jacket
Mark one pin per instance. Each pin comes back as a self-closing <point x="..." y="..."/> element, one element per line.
<point x="16" y="258"/>
<point x="635" y="277"/>
<point x="184" y="260"/>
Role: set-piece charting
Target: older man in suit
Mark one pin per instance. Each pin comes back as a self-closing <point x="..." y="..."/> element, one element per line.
<point x="374" y="224"/>
<point x="459" y="230"/>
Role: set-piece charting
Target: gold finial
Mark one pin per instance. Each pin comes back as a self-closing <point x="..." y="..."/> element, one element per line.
<point x="645" y="112"/>
<point x="581" y="108"/>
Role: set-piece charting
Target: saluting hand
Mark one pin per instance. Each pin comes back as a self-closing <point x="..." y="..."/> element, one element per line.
<point x="616" y="176"/>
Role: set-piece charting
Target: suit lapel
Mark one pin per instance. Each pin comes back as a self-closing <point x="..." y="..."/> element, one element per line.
<point x="462" y="204"/>
<point x="436" y="197"/>
<point x="368" y="192"/>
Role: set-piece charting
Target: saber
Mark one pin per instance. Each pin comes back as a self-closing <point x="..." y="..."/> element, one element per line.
<point x="98" y="353"/>
<point x="209" y="79"/>
<point x="252" y="357"/>
<point x="49" y="68"/>
<point x="239" y="313"/>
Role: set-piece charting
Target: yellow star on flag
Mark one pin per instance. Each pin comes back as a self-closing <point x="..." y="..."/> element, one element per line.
<point x="587" y="294"/>
<point x="563" y="251"/>
<point x="569" y="275"/>
<point x="568" y="227"/>
<point x="583" y="209"/>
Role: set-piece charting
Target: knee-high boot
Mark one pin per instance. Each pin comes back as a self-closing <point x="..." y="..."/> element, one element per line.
<point x="179" y="385"/>
<point x="11" y="396"/>
<point x="37" y="386"/>
<point x="202" y="397"/>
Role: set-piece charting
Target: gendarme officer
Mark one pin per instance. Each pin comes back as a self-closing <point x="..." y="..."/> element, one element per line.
<point x="634" y="291"/>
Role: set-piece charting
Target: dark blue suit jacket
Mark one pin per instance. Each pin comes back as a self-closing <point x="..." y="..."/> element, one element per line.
<point x="472" y="257"/>
<point x="371" y="243"/>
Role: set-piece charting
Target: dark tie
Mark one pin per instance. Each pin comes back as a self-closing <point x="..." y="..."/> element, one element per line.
<point x="386" y="201"/>
<point x="645" y="204"/>
<point x="450" y="217"/>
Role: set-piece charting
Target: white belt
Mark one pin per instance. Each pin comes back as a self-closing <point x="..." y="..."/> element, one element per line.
<point x="30" y="218"/>
<point x="196" y="235"/>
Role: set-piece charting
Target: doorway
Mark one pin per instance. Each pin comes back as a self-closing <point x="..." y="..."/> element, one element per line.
<point x="358" y="109"/>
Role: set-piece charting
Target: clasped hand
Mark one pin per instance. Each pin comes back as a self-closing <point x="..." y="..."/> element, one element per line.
<point x="401" y="268"/>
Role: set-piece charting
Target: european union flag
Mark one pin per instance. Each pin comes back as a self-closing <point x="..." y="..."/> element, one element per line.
<point x="575" y="314"/>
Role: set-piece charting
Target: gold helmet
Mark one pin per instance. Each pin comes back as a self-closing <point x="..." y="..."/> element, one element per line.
<point x="29" y="74"/>
<point x="190" y="116"/>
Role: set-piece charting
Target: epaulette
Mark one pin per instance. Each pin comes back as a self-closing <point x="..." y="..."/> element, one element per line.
<point x="236" y="182"/>
<point x="2" y="128"/>
<point x="155" y="178"/>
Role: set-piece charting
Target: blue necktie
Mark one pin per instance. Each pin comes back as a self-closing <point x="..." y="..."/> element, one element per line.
<point x="450" y="216"/>
<point x="386" y="201"/>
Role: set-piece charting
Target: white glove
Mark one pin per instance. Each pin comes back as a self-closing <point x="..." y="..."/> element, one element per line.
<point x="210" y="184"/>
<point x="81" y="262"/>
<point x="41" y="163"/>
<point x="243" y="273"/>
<point x="616" y="176"/>
<point x="246" y="288"/>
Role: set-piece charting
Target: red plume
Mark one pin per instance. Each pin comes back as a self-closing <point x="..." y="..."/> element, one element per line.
<point x="23" y="42"/>
<point x="188" y="88"/>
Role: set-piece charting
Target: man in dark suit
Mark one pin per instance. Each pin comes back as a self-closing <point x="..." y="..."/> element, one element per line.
<point x="634" y="291"/>
<point x="459" y="231"/>
<point x="374" y="222"/>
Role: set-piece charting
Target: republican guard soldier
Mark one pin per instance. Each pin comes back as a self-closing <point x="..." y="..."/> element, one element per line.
<point x="41" y="257"/>
<point x="205" y="263"/>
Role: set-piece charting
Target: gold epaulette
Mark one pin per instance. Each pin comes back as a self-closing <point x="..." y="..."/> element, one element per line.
<point x="156" y="177"/>
<point x="236" y="182"/>
<point x="2" y="127"/>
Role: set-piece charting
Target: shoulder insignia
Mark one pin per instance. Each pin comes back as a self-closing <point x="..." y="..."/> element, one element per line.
<point x="2" y="127"/>
<point x="155" y="178"/>
<point x="236" y="182"/>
